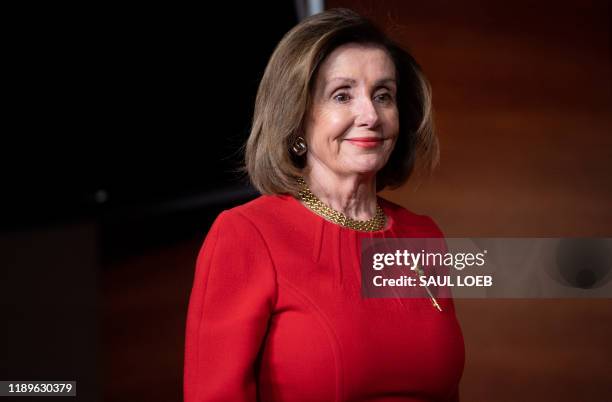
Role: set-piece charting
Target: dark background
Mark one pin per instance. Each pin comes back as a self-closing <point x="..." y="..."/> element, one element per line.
<point x="120" y="140"/>
<point x="129" y="106"/>
<point x="122" y="136"/>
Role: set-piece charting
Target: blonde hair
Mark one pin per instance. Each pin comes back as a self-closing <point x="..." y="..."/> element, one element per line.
<point x="284" y="97"/>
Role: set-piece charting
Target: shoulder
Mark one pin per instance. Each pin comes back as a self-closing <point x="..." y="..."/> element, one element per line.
<point x="252" y="216"/>
<point x="410" y="222"/>
<point x="262" y="205"/>
<point x="237" y="230"/>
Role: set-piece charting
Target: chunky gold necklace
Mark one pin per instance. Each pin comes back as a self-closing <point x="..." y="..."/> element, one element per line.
<point x="318" y="207"/>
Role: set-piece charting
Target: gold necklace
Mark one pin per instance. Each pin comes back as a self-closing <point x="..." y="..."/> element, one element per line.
<point x="318" y="207"/>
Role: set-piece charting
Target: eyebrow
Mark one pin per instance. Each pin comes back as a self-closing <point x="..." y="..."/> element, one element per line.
<point x="351" y="81"/>
<point x="386" y="81"/>
<point x="343" y="79"/>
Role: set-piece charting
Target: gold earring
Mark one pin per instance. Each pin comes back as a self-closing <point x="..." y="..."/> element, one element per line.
<point x="299" y="146"/>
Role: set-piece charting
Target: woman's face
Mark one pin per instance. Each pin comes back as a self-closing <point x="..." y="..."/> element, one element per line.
<point x="353" y="123"/>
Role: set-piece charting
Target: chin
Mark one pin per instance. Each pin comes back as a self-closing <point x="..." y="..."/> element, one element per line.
<point x="361" y="163"/>
<point x="365" y="168"/>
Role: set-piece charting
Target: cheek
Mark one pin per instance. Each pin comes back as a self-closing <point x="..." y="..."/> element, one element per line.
<point x="334" y="123"/>
<point x="392" y="121"/>
<point x="327" y="126"/>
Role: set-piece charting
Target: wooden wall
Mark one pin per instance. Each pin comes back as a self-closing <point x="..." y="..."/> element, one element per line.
<point x="523" y="99"/>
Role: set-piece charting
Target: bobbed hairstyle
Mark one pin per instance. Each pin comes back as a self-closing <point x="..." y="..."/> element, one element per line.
<point x="285" y="96"/>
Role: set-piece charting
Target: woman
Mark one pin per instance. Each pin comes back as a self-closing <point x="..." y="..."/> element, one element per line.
<point x="276" y="312"/>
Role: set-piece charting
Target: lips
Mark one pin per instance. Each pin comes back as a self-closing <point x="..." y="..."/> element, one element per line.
<point x="366" y="142"/>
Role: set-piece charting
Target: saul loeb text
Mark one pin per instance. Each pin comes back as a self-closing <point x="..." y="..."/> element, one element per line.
<point x="423" y="269"/>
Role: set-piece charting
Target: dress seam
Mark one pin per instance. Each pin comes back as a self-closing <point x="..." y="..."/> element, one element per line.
<point x="271" y="259"/>
<point x="335" y="344"/>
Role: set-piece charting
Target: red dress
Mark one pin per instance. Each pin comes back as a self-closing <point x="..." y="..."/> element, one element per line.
<point x="276" y="314"/>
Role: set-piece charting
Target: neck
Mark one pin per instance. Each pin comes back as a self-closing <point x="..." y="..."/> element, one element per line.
<point x="352" y="195"/>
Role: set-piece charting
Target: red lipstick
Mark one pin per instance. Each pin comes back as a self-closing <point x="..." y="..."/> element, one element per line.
<point x="365" y="142"/>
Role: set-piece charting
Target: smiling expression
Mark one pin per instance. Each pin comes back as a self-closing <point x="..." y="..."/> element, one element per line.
<point x="353" y="123"/>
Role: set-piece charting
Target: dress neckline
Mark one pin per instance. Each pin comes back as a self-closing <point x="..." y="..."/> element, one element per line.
<point x="307" y="212"/>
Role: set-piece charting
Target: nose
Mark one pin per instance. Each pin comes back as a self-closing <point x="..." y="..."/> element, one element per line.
<point x="366" y="114"/>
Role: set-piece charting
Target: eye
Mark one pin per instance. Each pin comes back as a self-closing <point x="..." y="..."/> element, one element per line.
<point x="384" y="98"/>
<point x="342" y="97"/>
